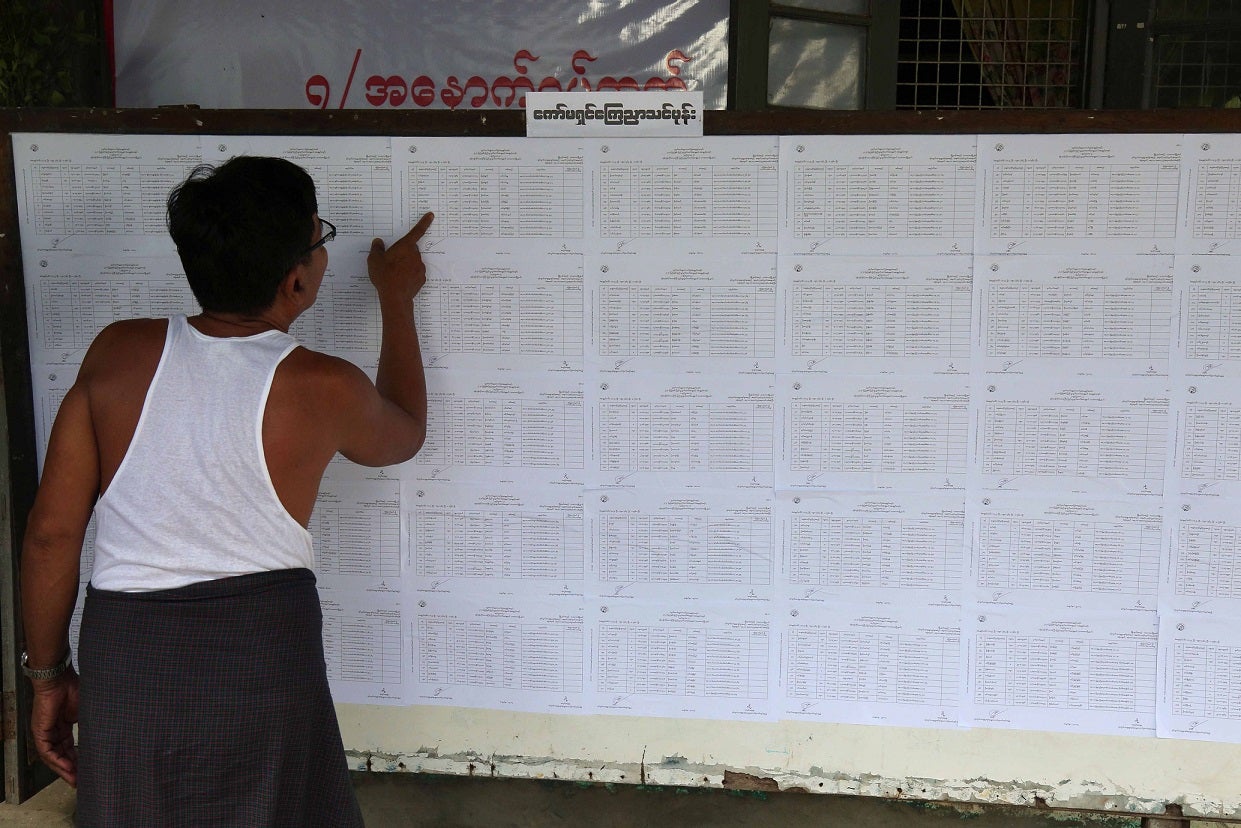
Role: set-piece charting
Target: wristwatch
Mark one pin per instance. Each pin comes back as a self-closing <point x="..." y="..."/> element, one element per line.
<point x="46" y="673"/>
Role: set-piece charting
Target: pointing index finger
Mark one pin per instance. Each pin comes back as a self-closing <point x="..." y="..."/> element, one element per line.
<point x="421" y="227"/>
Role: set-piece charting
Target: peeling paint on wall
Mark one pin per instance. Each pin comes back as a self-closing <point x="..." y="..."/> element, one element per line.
<point x="677" y="771"/>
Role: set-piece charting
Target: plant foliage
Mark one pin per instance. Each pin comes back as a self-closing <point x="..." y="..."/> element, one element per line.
<point x="46" y="48"/>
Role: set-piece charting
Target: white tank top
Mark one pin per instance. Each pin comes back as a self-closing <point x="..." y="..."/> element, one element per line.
<point x="192" y="500"/>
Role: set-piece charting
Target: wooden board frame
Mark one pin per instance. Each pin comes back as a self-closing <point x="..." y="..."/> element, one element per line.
<point x="1218" y="797"/>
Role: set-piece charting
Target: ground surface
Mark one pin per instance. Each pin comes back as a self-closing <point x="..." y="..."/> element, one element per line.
<point x="391" y="800"/>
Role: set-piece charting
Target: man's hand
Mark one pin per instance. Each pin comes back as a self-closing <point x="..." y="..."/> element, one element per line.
<point x="52" y="717"/>
<point x="398" y="271"/>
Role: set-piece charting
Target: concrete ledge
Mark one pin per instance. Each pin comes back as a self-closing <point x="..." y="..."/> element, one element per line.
<point x="52" y="807"/>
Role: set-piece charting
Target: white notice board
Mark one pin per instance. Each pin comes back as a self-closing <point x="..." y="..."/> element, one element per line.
<point x="860" y="463"/>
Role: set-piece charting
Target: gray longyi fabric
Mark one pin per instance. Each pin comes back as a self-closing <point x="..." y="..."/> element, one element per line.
<point x="209" y="705"/>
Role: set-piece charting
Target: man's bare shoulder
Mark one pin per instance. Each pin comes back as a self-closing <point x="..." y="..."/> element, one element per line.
<point x="323" y="373"/>
<point x="305" y="360"/>
<point x="130" y="329"/>
<point x="345" y="409"/>
<point x="126" y="345"/>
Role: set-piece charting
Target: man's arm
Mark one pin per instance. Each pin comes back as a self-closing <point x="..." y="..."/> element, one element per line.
<point x="389" y="424"/>
<point x="51" y="561"/>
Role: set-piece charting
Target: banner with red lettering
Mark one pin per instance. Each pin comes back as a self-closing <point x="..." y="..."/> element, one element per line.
<point x="385" y="54"/>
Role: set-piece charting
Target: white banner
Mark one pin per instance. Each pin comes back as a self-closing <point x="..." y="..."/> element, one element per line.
<point x="646" y="114"/>
<point x="385" y="54"/>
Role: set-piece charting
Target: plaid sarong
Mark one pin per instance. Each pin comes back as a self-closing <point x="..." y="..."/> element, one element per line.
<point x="209" y="705"/>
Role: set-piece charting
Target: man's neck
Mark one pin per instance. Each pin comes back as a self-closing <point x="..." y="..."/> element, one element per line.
<point x="214" y="323"/>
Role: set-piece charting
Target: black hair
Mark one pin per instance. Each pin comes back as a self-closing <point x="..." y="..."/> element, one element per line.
<point x="239" y="228"/>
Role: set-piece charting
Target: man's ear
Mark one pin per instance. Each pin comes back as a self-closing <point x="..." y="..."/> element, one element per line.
<point x="293" y="285"/>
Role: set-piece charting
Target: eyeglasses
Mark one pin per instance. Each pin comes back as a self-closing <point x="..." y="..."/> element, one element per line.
<point x="327" y="232"/>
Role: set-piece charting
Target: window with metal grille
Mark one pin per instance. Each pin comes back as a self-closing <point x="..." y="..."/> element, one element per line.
<point x="991" y="54"/>
<point x="1197" y="53"/>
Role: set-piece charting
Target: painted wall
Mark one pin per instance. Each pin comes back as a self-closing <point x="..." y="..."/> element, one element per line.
<point x="1109" y="773"/>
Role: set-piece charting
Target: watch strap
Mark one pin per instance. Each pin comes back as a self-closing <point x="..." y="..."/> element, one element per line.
<point x="46" y="673"/>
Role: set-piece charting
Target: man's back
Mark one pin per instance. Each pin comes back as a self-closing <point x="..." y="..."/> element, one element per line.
<point x="300" y="421"/>
<point x="193" y="500"/>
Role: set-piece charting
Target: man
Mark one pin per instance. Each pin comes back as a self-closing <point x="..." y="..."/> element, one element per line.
<point x="200" y="444"/>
